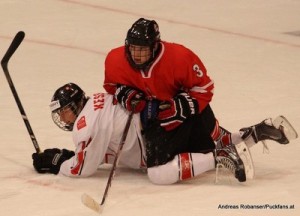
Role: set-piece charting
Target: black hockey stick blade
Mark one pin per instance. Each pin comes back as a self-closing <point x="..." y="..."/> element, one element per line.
<point x="13" y="47"/>
<point x="4" y="63"/>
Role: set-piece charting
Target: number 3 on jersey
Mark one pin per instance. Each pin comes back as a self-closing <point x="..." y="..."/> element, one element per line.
<point x="198" y="71"/>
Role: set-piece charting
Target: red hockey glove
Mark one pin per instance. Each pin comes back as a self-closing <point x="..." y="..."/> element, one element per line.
<point x="131" y="99"/>
<point x="172" y="113"/>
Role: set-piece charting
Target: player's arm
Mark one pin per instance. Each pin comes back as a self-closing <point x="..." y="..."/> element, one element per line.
<point x="112" y="73"/>
<point x="85" y="162"/>
<point x="195" y="95"/>
<point x="197" y="83"/>
<point x="82" y="162"/>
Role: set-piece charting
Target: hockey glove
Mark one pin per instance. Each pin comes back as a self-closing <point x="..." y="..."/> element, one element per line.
<point x="50" y="160"/>
<point x="172" y="113"/>
<point x="131" y="99"/>
<point x="149" y="113"/>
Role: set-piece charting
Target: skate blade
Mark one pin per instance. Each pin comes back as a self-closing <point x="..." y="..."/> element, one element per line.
<point x="288" y="129"/>
<point x="245" y="155"/>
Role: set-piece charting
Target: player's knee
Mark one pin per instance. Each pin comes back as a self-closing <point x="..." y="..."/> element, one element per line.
<point x="164" y="174"/>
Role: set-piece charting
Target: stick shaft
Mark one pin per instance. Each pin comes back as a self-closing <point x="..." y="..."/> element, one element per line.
<point x="4" y="63"/>
<point x="113" y="169"/>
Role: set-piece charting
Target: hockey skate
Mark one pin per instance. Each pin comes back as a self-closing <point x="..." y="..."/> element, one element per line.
<point x="242" y="151"/>
<point x="229" y="158"/>
<point x="279" y="130"/>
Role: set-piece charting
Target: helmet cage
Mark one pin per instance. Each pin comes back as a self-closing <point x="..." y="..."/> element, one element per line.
<point x="144" y="65"/>
<point x="75" y="108"/>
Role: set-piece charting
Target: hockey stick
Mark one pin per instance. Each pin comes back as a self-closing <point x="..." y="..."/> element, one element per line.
<point x="88" y="200"/>
<point x="4" y="63"/>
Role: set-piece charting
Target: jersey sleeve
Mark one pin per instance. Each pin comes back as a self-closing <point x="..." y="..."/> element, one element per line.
<point x="196" y="81"/>
<point x="113" y="74"/>
<point x="86" y="161"/>
<point x="75" y="166"/>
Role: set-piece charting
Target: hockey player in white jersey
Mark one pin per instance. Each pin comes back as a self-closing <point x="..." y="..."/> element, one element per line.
<point x="97" y="125"/>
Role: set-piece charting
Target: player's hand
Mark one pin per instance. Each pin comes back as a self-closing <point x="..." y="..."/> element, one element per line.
<point x="173" y="112"/>
<point x="50" y="160"/>
<point x="149" y="113"/>
<point x="130" y="98"/>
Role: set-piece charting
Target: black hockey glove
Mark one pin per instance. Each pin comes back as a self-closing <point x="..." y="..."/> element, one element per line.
<point x="131" y="99"/>
<point x="50" y="160"/>
<point x="172" y="113"/>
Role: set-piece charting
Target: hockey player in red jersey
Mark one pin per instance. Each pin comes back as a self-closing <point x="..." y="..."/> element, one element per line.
<point x="176" y="83"/>
<point x="157" y="68"/>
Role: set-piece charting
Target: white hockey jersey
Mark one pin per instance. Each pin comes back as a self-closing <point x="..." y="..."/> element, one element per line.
<point x="97" y="134"/>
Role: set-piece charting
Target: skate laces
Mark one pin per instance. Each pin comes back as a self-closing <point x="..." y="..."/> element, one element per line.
<point x="246" y="133"/>
<point x="226" y="163"/>
<point x="223" y="161"/>
<point x="266" y="149"/>
<point x="226" y="157"/>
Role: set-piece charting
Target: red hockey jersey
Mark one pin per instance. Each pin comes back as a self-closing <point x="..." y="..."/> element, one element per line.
<point x="175" y="68"/>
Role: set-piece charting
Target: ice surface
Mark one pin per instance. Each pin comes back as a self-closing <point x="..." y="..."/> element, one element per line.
<point x="245" y="46"/>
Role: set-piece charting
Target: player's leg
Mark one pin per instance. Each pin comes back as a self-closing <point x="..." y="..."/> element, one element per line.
<point x="183" y="167"/>
<point x="179" y="154"/>
<point x="226" y="153"/>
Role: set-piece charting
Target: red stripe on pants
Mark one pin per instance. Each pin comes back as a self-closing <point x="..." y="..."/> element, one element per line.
<point x="185" y="166"/>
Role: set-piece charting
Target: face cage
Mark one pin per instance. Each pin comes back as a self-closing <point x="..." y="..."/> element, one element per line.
<point x="143" y="66"/>
<point x="61" y="124"/>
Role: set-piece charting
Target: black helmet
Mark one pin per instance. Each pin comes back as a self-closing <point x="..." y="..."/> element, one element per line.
<point x="68" y="96"/>
<point x="142" y="33"/>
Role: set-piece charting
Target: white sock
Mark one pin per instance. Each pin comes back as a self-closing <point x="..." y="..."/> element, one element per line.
<point x="183" y="166"/>
<point x="236" y="138"/>
<point x="203" y="162"/>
